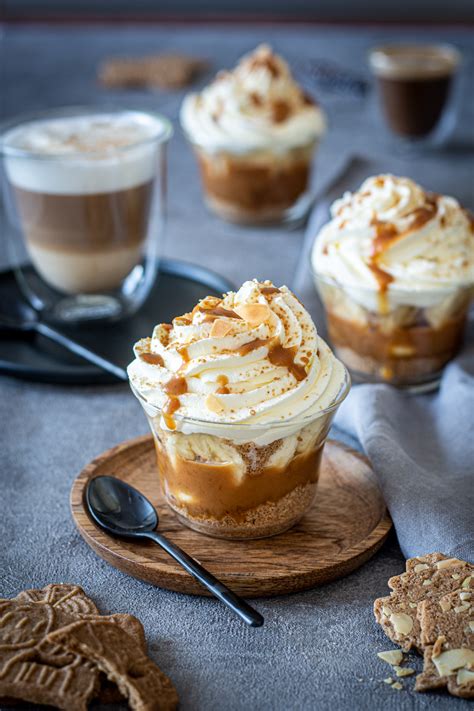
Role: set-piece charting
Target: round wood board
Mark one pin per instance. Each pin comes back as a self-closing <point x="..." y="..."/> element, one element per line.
<point x="346" y="526"/>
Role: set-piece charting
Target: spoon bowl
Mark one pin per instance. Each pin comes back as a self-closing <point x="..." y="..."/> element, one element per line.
<point x="119" y="508"/>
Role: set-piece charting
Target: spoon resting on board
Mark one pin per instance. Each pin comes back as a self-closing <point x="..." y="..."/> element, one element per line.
<point x="123" y="511"/>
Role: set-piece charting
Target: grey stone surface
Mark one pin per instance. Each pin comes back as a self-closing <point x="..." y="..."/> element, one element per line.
<point x="317" y="649"/>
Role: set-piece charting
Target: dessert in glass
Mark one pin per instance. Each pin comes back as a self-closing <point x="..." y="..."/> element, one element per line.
<point x="254" y="132"/>
<point x="395" y="271"/>
<point x="239" y="394"/>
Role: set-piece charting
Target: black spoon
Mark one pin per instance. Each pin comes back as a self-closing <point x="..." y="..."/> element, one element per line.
<point x="123" y="511"/>
<point x="29" y="323"/>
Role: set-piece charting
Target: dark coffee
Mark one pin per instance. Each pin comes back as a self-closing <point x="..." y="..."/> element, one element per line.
<point x="413" y="107"/>
<point x="414" y="83"/>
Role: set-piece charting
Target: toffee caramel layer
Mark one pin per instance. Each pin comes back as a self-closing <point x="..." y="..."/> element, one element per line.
<point x="419" y="347"/>
<point x="85" y="223"/>
<point x="203" y="489"/>
<point x="255" y="186"/>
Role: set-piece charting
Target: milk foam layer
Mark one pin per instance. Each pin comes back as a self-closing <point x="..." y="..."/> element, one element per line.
<point x="258" y="106"/>
<point x="87" y="154"/>
<point x="428" y="253"/>
<point x="264" y="398"/>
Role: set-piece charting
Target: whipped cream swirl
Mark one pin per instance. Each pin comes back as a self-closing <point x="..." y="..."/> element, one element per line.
<point x="251" y="358"/>
<point x="257" y="106"/>
<point x="391" y="235"/>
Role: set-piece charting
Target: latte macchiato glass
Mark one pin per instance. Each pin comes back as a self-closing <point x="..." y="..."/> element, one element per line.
<point x="85" y="199"/>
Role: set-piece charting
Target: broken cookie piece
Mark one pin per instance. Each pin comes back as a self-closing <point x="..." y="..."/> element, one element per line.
<point x="447" y="632"/>
<point x="116" y="654"/>
<point x="163" y="71"/>
<point x="428" y="577"/>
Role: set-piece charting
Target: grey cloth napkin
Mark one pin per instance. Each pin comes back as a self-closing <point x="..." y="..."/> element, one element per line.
<point x="421" y="447"/>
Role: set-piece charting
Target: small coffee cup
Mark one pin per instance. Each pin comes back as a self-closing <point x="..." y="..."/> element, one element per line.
<point x="414" y="83"/>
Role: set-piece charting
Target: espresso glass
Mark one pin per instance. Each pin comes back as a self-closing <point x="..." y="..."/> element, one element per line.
<point x="415" y="87"/>
<point x="85" y="226"/>
<point x="240" y="489"/>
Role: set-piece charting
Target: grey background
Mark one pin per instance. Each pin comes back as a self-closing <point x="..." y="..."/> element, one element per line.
<point x="317" y="649"/>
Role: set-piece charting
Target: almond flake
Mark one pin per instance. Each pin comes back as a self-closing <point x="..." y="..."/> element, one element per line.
<point x="403" y="671"/>
<point x="465" y="595"/>
<point x="402" y="623"/>
<point x="427" y="582"/>
<point x="392" y="657"/>
<point x="220" y="328"/>
<point x="397" y="686"/>
<point x="462" y="608"/>
<point x="420" y="566"/>
<point x="444" y="605"/>
<point x="455" y="576"/>
<point x="214" y="404"/>
<point x="388" y="680"/>
<point x="413" y="605"/>
<point x="254" y="314"/>
<point x="467" y="582"/>
<point x="448" y="563"/>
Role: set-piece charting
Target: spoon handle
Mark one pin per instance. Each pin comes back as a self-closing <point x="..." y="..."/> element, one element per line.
<point x="229" y="598"/>
<point x="79" y="350"/>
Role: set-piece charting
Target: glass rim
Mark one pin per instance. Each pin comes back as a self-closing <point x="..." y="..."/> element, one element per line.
<point x="160" y="137"/>
<point x="313" y="145"/>
<point x="298" y="422"/>
<point x="388" y="52"/>
<point x="442" y="288"/>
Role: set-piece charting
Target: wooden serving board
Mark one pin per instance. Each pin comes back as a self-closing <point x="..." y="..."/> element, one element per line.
<point x="346" y="526"/>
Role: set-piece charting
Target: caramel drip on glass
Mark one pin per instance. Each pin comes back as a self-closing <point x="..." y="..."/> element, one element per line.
<point x="176" y="386"/>
<point x="152" y="358"/>
<point x="278" y="355"/>
<point x="170" y="407"/>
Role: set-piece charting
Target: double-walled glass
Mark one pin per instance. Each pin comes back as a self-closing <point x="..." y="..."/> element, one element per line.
<point x="248" y="481"/>
<point x="85" y="225"/>
<point x="399" y="337"/>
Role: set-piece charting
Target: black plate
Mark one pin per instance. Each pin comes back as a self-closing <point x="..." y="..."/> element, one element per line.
<point x="178" y="287"/>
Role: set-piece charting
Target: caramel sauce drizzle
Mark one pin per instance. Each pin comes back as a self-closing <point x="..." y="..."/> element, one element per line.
<point x="265" y="290"/>
<point x="278" y="355"/>
<point x="183" y="352"/>
<point x="170" y="407"/>
<point x="219" y="311"/>
<point x="252" y="345"/>
<point x="152" y="358"/>
<point x="385" y="234"/>
<point x="222" y="381"/>
<point x="177" y="385"/>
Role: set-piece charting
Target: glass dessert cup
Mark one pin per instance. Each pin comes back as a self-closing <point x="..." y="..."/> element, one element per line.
<point x="257" y="188"/>
<point x="388" y="338"/>
<point x="241" y="491"/>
